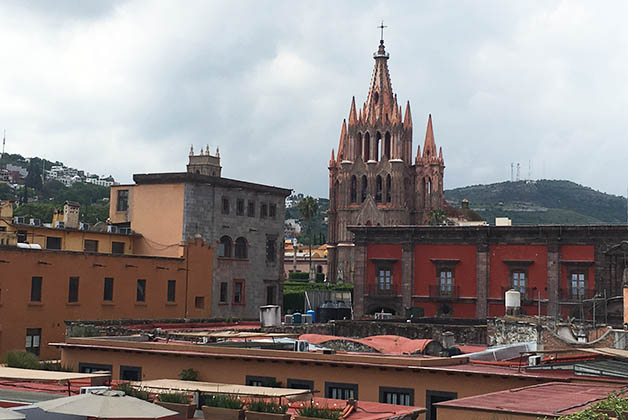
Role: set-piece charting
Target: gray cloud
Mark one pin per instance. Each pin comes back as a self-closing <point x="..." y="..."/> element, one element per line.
<point x="126" y="87"/>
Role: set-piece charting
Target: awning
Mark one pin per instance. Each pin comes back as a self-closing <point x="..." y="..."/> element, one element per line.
<point x="45" y="375"/>
<point x="217" y="388"/>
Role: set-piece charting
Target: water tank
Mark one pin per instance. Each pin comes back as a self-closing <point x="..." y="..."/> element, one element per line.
<point x="313" y="314"/>
<point x="296" y="318"/>
<point x="327" y="311"/>
<point x="343" y="310"/>
<point x="513" y="302"/>
<point x="270" y="315"/>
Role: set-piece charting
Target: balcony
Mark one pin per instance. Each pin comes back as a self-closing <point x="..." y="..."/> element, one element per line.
<point x="374" y="289"/>
<point x="453" y="292"/>
<point x="575" y="295"/>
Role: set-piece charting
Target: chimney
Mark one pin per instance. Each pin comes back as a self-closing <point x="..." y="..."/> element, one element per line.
<point x="448" y="340"/>
<point x="71" y="215"/>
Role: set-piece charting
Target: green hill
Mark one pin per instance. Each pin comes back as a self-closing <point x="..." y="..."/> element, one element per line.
<point x="541" y="202"/>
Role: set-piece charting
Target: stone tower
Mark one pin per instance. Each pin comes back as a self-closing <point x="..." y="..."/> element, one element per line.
<point x="373" y="179"/>
<point x="204" y="163"/>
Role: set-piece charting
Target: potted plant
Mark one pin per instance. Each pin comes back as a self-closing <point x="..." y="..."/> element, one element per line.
<point x="223" y="407"/>
<point x="261" y="409"/>
<point x="307" y="412"/>
<point x="177" y="401"/>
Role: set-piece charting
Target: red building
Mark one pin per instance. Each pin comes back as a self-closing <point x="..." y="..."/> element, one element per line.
<point x="464" y="272"/>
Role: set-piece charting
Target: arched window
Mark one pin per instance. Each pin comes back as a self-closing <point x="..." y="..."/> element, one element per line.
<point x="354" y="189"/>
<point x="364" y="186"/>
<point x="429" y="186"/>
<point x="388" y="188"/>
<point x="367" y="147"/>
<point x="424" y="192"/>
<point x="378" y="145"/>
<point x="240" y="248"/>
<point x="358" y="146"/>
<point x="225" y="247"/>
<point x="387" y="145"/>
<point x="379" y="186"/>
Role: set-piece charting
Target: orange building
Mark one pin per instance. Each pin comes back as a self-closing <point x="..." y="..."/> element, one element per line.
<point x="40" y="289"/>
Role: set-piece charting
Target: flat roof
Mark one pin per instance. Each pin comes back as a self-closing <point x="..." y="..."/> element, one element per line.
<point x="230" y="334"/>
<point x="219" y="388"/>
<point x="549" y="399"/>
<point x="45" y="375"/>
<point x="192" y="178"/>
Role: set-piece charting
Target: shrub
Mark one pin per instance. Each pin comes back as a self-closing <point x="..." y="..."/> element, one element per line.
<point x="319" y="412"/>
<point x="54" y="365"/>
<point x="299" y="275"/>
<point x="129" y="390"/>
<point x="21" y="359"/>
<point x="263" y="406"/>
<point x="189" y="375"/>
<point x="174" y="397"/>
<point x="223" y="401"/>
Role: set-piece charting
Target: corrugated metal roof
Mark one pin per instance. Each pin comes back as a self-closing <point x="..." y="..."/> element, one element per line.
<point x="606" y="368"/>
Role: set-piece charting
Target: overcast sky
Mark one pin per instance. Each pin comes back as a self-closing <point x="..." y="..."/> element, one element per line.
<point x="125" y="87"/>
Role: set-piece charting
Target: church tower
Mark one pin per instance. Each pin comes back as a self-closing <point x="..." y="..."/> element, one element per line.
<point x="373" y="179"/>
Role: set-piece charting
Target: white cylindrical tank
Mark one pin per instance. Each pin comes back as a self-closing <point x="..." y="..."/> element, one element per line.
<point x="513" y="301"/>
<point x="270" y="315"/>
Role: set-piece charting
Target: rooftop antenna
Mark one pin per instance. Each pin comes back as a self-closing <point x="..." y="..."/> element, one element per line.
<point x="4" y="141"/>
<point x="529" y="170"/>
<point x="518" y="171"/>
<point x="512" y="172"/>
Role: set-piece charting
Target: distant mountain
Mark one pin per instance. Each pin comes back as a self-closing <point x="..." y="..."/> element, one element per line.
<point x="541" y="202"/>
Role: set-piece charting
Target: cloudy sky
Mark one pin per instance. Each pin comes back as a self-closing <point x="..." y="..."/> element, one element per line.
<point x="125" y="87"/>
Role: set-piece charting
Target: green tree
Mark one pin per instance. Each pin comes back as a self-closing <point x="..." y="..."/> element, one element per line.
<point x="307" y="210"/>
<point x="42" y="211"/>
<point x="33" y="179"/>
<point x="437" y="217"/>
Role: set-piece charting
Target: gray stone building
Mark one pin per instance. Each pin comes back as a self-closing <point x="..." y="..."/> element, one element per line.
<point x="244" y="222"/>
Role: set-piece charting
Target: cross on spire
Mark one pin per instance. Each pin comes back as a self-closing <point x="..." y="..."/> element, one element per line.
<point x="381" y="27"/>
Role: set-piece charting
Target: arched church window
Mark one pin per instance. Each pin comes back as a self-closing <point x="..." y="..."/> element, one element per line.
<point x="376" y="97"/>
<point x="364" y="187"/>
<point x="241" y="248"/>
<point x="354" y="189"/>
<point x="387" y="145"/>
<point x="367" y="146"/>
<point x="424" y="192"/>
<point x="378" y="146"/>
<point x="379" y="186"/>
<point x="388" y="188"/>
<point x="358" y="145"/>
<point x="225" y="247"/>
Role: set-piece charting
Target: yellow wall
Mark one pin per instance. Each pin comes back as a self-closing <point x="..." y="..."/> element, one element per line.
<point x="155" y="211"/>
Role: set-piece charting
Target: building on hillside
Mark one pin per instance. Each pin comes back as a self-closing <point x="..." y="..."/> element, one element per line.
<point x="464" y="272"/>
<point x="65" y="232"/>
<point x="373" y="178"/>
<point x="41" y="289"/>
<point x="244" y="220"/>
<point x="298" y="259"/>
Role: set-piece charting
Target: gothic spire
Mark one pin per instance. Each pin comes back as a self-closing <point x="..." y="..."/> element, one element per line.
<point x="407" y="118"/>
<point x="380" y="100"/>
<point x="353" y="118"/>
<point x="429" y="147"/>
<point x="343" y="134"/>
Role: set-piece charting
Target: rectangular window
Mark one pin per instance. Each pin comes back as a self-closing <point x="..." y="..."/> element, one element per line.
<point x="518" y="280"/>
<point x="91" y="245"/>
<point x="36" y="289"/>
<point x="238" y="292"/>
<point x="577" y="285"/>
<point x="261" y="381"/>
<point x="384" y="279"/>
<point x="270" y="295"/>
<point x="300" y="384"/>
<point x="117" y="247"/>
<point x="341" y="391"/>
<point x="272" y="211"/>
<point x="108" y="292"/>
<point x="251" y="209"/>
<point x="225" y="205"/>
<point x="396" y="396"/>
<point x="140" y="296"/>
<point x="223" y="292"/>
<point x="446" y="282"/>
<point x="33" y="340"/>
<point x="240" y="207"/>
<point x="271" y="249"/>
<point x="172" y="285"/>
<point x="130" y="373"/>
<point x="263" y="211"/>
<point x="53" y="242"/>
<point x="93" y="367"/>
<point x="73" y="289"/>
<point x="21" y="236"/>
<point x="199" y="302"/>
<point x="434" y="397"/>
<point x="123" y="200"/>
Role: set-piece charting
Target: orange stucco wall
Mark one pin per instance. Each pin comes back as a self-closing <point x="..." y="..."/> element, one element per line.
<point x="19" y="266"/>
<point x="155" y="211"/>
<point x="233" y="365"/>
<point x="448" y="413"/>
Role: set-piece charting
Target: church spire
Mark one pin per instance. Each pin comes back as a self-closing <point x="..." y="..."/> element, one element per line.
<point x="353" y="118"/>
<point x="380" y="99"/>
<point x="407" y="118"/>
<point x="429" y="147"/>
<point x="343" y="134"/>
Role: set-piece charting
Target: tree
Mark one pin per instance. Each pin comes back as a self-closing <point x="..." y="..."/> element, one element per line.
<point x="308" y="209"/>
<point x="437" y="217"/>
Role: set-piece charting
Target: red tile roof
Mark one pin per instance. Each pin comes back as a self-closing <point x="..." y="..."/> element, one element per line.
<point x="557" y="399"/>
<point x="366" y="410"/>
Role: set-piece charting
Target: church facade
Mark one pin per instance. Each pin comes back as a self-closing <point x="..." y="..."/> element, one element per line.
<point x="374" y="180"/>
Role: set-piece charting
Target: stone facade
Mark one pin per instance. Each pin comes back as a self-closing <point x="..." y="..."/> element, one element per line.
<point x="373" y="179"/>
